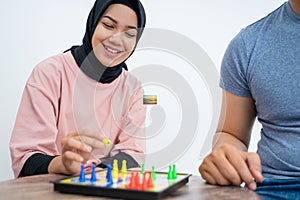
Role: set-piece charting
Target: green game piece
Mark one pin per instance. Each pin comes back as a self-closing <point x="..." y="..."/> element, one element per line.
<point x="174" y="173"/>
<point x="170" y="174"/>
<point x="143" y="168"/>
<point x="153" y="173"/>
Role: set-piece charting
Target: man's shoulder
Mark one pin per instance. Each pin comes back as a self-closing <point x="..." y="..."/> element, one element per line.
<point x="266" y="22"/>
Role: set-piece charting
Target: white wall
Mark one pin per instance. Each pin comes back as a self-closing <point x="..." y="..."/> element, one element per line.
<point x="33" y="30"/>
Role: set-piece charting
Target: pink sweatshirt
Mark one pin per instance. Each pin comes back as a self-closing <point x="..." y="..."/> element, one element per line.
<point x="59" y="98"/>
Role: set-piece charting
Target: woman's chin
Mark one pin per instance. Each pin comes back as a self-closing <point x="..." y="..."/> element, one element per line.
<point x="111" y="63"/>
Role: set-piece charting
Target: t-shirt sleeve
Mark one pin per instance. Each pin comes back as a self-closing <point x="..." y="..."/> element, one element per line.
<point x="234" y="68"/>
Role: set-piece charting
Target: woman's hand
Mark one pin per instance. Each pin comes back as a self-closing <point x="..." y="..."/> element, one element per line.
<point x="76" y="150"/>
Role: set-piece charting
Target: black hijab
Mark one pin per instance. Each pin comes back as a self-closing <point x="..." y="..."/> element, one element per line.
<point x="84" y="55"/>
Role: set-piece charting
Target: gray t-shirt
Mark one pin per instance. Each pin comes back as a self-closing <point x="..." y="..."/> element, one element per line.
<point x="263" y="62"/>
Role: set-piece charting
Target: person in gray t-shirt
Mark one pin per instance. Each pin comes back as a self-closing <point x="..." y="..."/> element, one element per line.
<point x="260" y="76"/>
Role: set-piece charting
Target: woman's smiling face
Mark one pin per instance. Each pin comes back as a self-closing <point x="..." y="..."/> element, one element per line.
<point x="115" y="35"/>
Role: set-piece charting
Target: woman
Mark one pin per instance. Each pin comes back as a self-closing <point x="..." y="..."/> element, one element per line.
<point x="75" y="101"/>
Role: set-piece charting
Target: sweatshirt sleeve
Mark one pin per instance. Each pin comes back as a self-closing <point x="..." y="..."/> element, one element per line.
<point x="36" y="164"/>
<point x="35" y="129"/>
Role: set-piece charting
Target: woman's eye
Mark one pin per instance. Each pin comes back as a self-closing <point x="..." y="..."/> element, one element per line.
<point x="130" y="35"/>
<point x="108" y="26"/>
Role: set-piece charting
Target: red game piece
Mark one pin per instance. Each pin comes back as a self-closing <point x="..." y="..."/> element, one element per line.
<point x="147" y="181"/>
<point x="137" y="181"/>
<point x="144" y="184"/>
<point x="131" y="184"/>
<point x="134" y="181"/>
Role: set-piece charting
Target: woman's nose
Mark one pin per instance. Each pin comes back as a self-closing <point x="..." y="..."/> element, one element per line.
<point x="116" y="38"/>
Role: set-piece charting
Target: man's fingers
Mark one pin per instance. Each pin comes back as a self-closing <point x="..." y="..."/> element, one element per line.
<point x="227" y="165"/>
<point x="250" y="169"/>
<point x="229" y="172"/>
<point x="254" y="165"/>
<point x="216" y="177"/>
<point x="240" y="165"/>
<point x="217" y="170"/>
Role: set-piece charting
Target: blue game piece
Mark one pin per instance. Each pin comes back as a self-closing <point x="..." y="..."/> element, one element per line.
<point x="82" y="174"/>
<point x="93" y="174"/>
<point x="109" y="175"/>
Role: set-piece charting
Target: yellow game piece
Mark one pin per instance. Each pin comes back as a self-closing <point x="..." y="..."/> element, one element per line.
<point x="124" y="166"/>
<point x="115" y="165"/>
<point x="124" y="169"/>
<point x="106" y="142"/>
<point x="115" y="170"/>
<point x="115" y="174"/>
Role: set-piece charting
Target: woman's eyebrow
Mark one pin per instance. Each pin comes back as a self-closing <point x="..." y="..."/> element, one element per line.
<point x="115" y="21"/>
<point x="112" y="19"/>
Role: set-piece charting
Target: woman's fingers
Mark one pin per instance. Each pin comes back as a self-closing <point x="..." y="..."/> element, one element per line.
<point x="92" y="134"/>
<point x="70" y="155"/>
<point x="77" y="148"/>
<point x="75" y="144"/>
<point x="92" y="139"/>
<point x="91" y="142"/>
